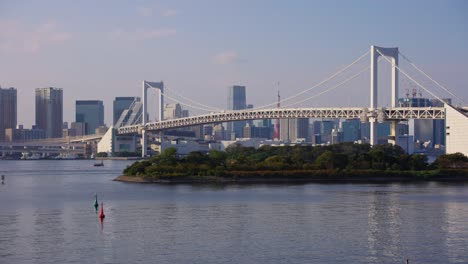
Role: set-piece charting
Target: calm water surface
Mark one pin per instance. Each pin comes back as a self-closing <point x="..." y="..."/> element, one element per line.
<point x="47" y="216"/>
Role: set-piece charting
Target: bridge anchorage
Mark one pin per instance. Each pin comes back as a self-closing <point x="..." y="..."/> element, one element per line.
<point x="372" y="114"/>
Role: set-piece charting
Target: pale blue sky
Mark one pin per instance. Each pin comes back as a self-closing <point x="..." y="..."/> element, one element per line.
<point x="103" y="49"/>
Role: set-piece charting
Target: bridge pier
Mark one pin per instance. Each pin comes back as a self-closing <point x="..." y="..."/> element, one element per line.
<point x="144" y="143"/>
<point x="146" y="86"/>
<point x="375" y="52"/>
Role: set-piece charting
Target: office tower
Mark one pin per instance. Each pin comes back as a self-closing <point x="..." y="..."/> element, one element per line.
<point x="90" y="112"/>
<point x="236" y="101"/>
<point x="78" y="129"/>
<point x="351" y="130"/>
<point x="49" y="111"/>
<point x="218" y="132"/>
<point x="172" y="111"/>
<point x="8" y="110"/>
<point x="291" y="130"/>
<point x="326" y="127"/>
<point x="120" y="104"/>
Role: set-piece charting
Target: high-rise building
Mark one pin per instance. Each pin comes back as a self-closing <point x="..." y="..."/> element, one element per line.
<point x="293" y="129"/>
<point x="172" y="111"/>
<point x="236" y="101"/>
<point x="90" y="112"/>
<point x="351" y="130"/>
<point x="8" y="110"/>
<point x="120" y="104"/>
<point x="49" y="111"/>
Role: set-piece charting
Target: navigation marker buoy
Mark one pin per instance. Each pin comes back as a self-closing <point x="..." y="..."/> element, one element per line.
<point x="101" y="214"/>
<point x="96" y="204"/>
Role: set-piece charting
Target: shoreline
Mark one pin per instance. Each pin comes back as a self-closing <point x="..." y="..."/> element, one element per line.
<point x="291" y="180"/>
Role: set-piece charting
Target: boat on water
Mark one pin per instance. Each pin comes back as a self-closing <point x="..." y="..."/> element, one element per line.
<point x="99" y="164"/>
<point x="30" y="156"/>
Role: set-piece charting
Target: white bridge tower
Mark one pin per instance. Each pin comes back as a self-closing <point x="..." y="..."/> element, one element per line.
<point x="392" y="53"/>
<point x="146" y="86"/>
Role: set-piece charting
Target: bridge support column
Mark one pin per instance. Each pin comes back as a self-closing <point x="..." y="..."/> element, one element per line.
<point x="375" y="52"/>
<point x="146" y="86"/>
<point x="144" y="143"/>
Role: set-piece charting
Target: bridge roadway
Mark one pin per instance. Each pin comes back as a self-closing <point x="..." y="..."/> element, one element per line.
<point x="380" y="114"/>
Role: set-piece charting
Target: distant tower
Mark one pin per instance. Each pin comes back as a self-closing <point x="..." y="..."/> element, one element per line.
<point x="8" y="110"/>
<point x="90" y="112"/>
<point x="49" y="111"/>
<point x="236" y="101"/>
<point x="277" y="124"/>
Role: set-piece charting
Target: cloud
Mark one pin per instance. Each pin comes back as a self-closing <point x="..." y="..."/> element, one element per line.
<point x="144" y="34"/>
<point x="170" y="12"/>
<point x="19" y="37"/>
<point x="227" y="57"/>
<point x="144" y="11"/>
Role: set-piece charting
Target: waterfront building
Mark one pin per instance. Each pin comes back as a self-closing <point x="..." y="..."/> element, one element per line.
<point x="8" y="110"/>
<point x="90" y="112"/>
<point x="49" y="111"/>
<point x="236" y="101"/>
<point x="20" y="134"/>
<point x="78" y="129"/>
<point x="120" y="104"/>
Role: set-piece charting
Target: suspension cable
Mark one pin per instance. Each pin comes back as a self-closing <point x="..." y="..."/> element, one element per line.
<point x="194" y="102"/>
<point x="434" y="81"/>
<point x="207" y="108"/>
<point x="318" y="84"/>
<point x="409" y="77"/>
<point x="332" y="88"/>
<point x="184" y="104"/>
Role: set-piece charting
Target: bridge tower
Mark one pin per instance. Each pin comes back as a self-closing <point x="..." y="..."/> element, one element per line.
<point x="146" y="86"/>
<point x="392" y="53"/>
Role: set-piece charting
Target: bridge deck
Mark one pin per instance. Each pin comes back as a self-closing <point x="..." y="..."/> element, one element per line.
<point x="381" y="114"/>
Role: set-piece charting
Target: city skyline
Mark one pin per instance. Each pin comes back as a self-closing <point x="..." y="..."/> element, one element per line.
<point x="297" y="44"/>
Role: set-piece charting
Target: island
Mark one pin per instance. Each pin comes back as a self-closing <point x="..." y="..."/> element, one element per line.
<point x="345" y="162"/>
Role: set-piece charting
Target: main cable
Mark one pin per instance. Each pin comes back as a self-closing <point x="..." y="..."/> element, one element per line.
<point x="318" y="84"/>
<point x="425" y="74"/>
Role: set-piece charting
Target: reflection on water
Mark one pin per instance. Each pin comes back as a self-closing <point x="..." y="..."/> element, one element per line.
<point x="47" y="216"/>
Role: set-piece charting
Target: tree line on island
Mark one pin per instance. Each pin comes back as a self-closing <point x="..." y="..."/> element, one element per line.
<point x="345" y="159"/>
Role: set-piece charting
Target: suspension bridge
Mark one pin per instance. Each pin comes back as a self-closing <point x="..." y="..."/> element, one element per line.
<point x="295" y="106"/>
<point x="456" y="118"/>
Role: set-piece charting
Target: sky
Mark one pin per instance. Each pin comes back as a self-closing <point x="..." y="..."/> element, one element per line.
<point x="98" y="50"/>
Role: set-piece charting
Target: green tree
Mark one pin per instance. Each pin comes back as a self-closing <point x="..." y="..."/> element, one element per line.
<point x="418" y="162"/>
<point x="455" y="160"/>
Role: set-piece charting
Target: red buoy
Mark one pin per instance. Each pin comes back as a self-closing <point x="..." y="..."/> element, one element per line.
<point x="101" y="214"/>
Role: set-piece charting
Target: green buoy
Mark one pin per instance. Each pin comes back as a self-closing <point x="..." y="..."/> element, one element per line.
<point x="96" y="204"/>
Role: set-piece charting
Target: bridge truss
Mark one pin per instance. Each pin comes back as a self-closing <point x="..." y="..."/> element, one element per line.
<point x="379" y="114"/>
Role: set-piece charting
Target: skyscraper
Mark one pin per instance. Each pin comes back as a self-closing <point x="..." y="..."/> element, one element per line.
<point x="236" y="101"/>
<point x="8" y="110"/>
<point x="120" y="104"/>
<point x="293" y="129"/>
<point x="49" y="111"/>
<point x="90" y="112"/>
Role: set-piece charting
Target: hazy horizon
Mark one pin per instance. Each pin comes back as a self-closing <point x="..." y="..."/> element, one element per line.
<point x="102" y="50"/>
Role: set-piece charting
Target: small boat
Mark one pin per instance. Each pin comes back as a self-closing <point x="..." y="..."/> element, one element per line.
<point x="99" y="164"/>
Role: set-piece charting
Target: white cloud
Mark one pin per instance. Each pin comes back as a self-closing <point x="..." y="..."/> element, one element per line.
<point x="18" y="37"/>
<point x="226" y="57"/>
<point x="170" y="12"/>
<point x="144" y="11"/>
<point x="143" y="34"/>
